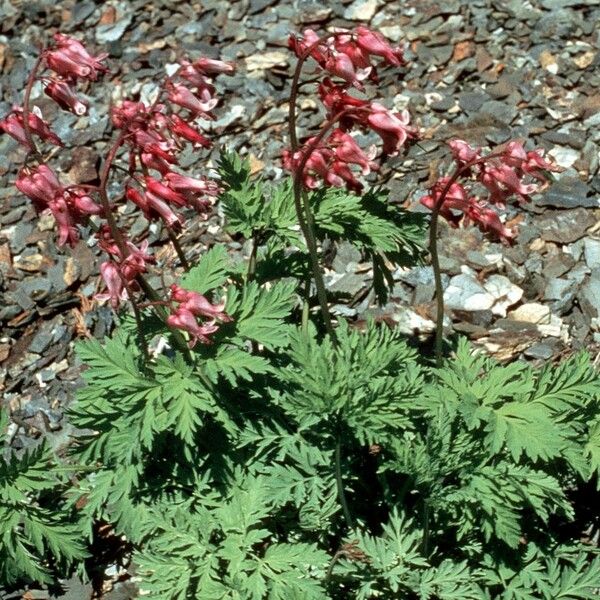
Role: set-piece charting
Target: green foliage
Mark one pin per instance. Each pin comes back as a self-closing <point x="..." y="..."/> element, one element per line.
<point x="39" y="536"/>
<point x="254" y="208"/>
<point x="387" y="235"/>
<point x="278" y="463"/>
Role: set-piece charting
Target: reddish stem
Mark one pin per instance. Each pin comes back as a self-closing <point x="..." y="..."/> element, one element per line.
<point x="433" y="251"/>
<point x="26" y="100"/>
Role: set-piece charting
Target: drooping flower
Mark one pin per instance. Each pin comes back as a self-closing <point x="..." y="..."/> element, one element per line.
<point x="198" y="104"/>
<point x="61" y="92"/>
<point x="116" y="291"/>
<point x="40" y="184"/>
<point x="459" y="206"/>
<point x="193" y="305"/>
<point x="347" y="150"/>
<point x="70" y="59"/>
<point x="211" y="66"/>
<point x="13" y="125"/>
<point x="198" y="304"/>
<point x="182" y="129"/>
<point x="393" y="127"/>
<point x="154" y="207"/>
<point x="184" y="319"/>
<point x="373" y="42"/>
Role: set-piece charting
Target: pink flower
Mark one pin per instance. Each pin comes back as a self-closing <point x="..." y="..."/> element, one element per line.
<point x="153" y="207"/>
<point x="184" y="319"/>
<point x="127" y="112"/>
<point x="71" y="60"/>
<point x="458" y="207"/>
<point x="347" y="150"/>
<point x="373" y="42"/>
<point x="340" y="171"/>
<point x="346" y="45"/>
<point x="488" y="220"/>
<point x="196" y="78"/>
<point x="198" y="305"/>
<point x="531" y="162"/>
<point x="463" y="153"/>
<point x="166" y="193"/>
<point x="336" y="98"/>
<point x="182" y="96"/>
<point x="211" y="66"/>
<point x="393" y="128"/>
<point x="155" y="162"/>
<point x="63" y="95"/>
<point x="181" y="183"/>
<point x="116" y="291"/>
<point x="502" y="182"/>
<point x="81" y="204"/>
<point x="42" y="129"/>
<point x="40" y="184"/>
<point x="67" y="232"/>
<point x="456" y="199"/>
<point x="309" y="38"/>
<point x="180" y="128"/>
<point x="342" y="66"/>
<point x="13" y="125"/>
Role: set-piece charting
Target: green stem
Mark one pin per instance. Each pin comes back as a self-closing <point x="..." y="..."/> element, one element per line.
<point x="340" y="483"/>
<point x="439" y="290"/>
<point x="252" y="261"/>
<point x="307" y="223"/>
<point x="178" y="248"/>
<point x="306" y="306"/>
<point x="433" y="251"/>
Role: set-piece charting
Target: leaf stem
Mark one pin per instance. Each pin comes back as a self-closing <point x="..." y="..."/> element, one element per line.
<point x="340" y="483"/>
<point x="252" y="261"/>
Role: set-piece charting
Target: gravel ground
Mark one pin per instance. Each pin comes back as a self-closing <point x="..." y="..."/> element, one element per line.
<point x="484" y="70"/>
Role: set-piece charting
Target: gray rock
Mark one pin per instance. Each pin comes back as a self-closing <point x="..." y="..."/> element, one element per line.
<point x="113" y="31"/>
<point x="557" y="4"/>
<point x="348" y="283"/>
<point x="564" y="226"/>
<point x="541" y="350"/>
<point x="502" y="111"/>
<point x="471" y="102"/>
<point x="569" y="192"/>
<point x="464" y="292"/>
<point x="346" y="257"/>
<point x="591" y="249"/>
<point x="589" y="295"/>
<point x="557" y="265"/>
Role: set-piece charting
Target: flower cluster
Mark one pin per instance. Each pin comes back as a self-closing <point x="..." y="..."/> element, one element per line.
<point x="347" y="55"/>
<point x="192" y="305"/>
<point x="501" y="174"/>
<point x="156" y="134"/>
<point x="70" y="62"/>
<point x="70" y="206"/>
<point x="121" y="272"/>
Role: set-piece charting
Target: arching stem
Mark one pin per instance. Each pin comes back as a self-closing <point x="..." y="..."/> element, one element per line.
<point x="433" y="251"/>
<point x="26" y="108"/>
<point x="307" y="223"/>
